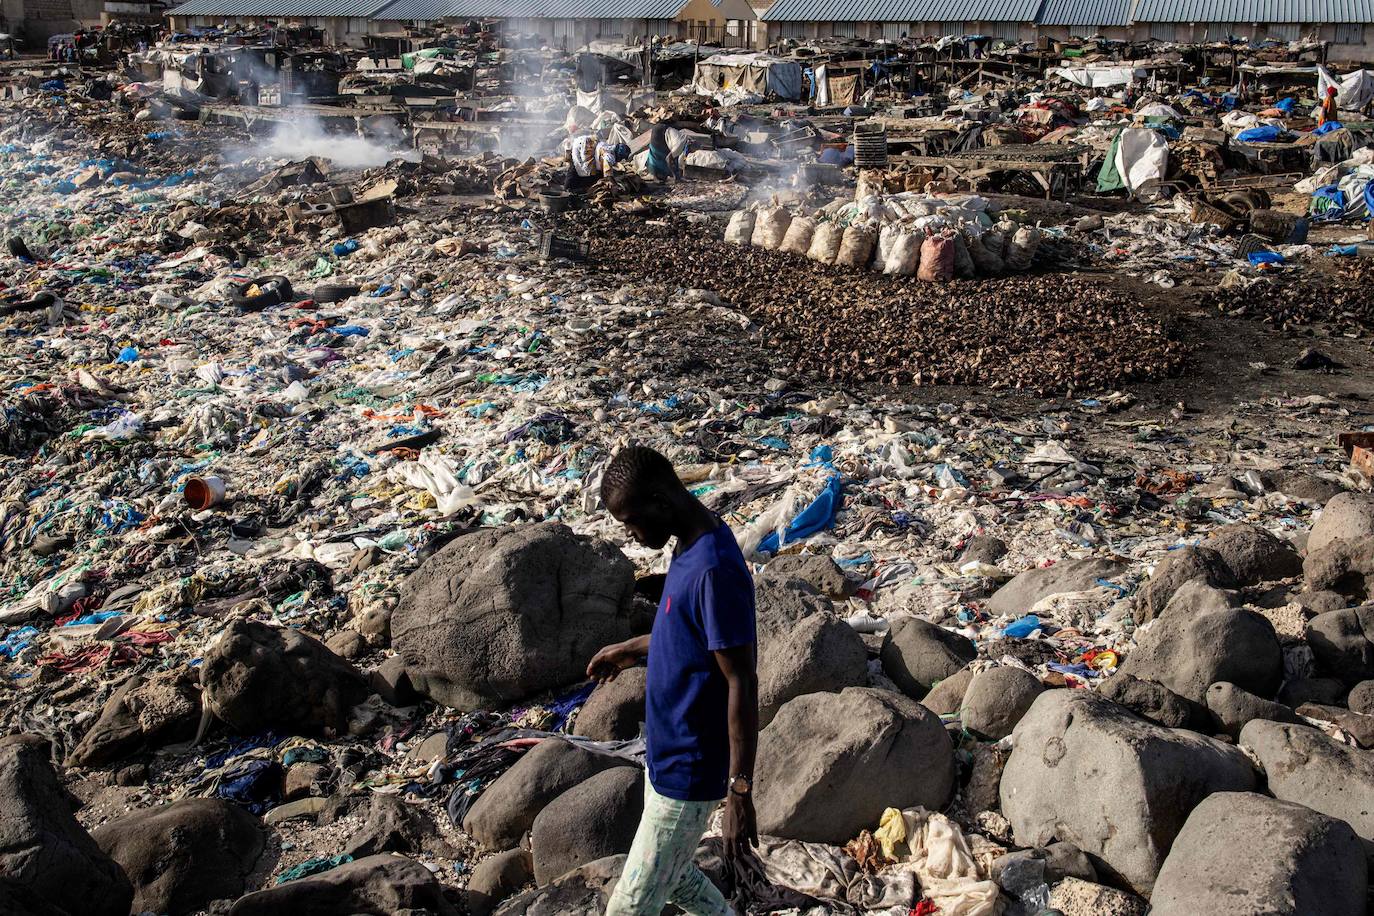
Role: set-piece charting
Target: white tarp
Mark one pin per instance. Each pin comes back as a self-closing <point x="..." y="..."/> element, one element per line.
<point x="1098" y="77"/>
<point x="1353" y="91"/>
<point x="1141" y="156"/>
<point x="758" y="74"/>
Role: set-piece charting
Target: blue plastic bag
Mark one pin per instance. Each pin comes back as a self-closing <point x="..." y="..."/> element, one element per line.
<point x="1257" y="258"/>
<point x="1022" y="628"/>
<point x="816" y="517"/>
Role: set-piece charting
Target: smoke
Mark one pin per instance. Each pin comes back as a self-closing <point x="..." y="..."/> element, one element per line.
<point x="306" y="136"/>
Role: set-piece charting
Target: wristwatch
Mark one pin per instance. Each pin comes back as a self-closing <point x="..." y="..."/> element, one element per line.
<point x="741" y="784"/>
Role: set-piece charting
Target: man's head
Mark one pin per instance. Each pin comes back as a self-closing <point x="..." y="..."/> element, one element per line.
<point x="1330" y="90"/>
<point x="641" y="491"/>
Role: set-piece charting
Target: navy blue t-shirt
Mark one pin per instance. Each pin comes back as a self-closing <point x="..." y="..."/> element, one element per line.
<point x="707" y="605"/>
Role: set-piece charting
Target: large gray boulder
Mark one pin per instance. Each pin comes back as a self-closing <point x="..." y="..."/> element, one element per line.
<point x="43" y="850"/>
<point x="821" y="654"/>
<point x="1252" y="554"/>
<point x="1305" y="766"/>
<point x="1189" y="653"/>
<point x="1343" y="642"/>
<point x="584" y="891"/>
<point x="1361" y="699"/>
<point x="1195" y="598"/>
<point x="498" y="877"/>
<point x="1089" y="772"/>
<point x="508" y="807"/>
<point x="1023" y="591"/>
<point x="1153" y="701"/>
<point x="830" y="763"/>
<point x="782" y="602"/>
<point x="257" y="678"/>
<point x="1171" y="573"/>
<point x="1241" y="853"/>
<point x="947" y="696"/>
<point x="821" y="573"/>
<point x="375" y="885"/>
<point x="1345" y="567"/>
<point x="589" y="821"/>
<point x="1347" y="516"/>
<point x="615" y="710"/>
<point x="1232" y="708"/>
<point x="997" y="699"/>
<point x="143" y="712"/>
<point x="501" y="614"/>
<point x="185" y="854"/>
<point x="916" y="654"/>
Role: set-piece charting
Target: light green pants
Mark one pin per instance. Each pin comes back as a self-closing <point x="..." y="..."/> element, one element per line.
<point x="660" y="869"/>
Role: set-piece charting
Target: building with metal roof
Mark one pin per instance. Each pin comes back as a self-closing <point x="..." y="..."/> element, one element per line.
<point x="894" y="19"/>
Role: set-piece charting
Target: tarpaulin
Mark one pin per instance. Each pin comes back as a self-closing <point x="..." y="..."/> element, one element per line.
<point x="1353" y="91"/>
<point x="1098" y="77"/>
<point x="1266" y="133"/>
<point x="1141" y="155"/>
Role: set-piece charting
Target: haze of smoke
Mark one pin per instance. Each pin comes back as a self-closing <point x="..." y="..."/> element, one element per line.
<point x="305" y="136"/>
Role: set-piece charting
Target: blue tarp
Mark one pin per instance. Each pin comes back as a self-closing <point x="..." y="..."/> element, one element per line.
<point x="1265" y="133"/>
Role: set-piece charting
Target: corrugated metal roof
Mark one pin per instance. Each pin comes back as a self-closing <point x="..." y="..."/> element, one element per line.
<point x="902" y="11"/>
<point x="284" y="9"/>
<point x="1241" y="11"/>
<point x="1086" y="12"/>
<point x="530" y="9"/>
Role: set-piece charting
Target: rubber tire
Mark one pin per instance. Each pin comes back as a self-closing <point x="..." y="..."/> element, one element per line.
<point x="281" y="292"/>
<point x="334" y="292"/>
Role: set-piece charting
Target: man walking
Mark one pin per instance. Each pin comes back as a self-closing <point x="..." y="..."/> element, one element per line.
<point x="701" y="711"/>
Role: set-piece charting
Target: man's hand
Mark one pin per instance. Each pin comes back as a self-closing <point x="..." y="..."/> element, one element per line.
<point x="615" y="658"/>
<point x="739" y="830"/>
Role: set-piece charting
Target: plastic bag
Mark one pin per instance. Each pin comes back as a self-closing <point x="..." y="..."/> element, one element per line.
<point x="904" y="256"/>
<point x="770" y="227"/>
<point x="798" y="236"/>
<point x="937" y="260"/>
<point x="825" y="243"/>
<point x="741" y="227"/>
<point x="856" y="248"/>
<point x="887" y="238"/>
<point x="1022" y="248"/>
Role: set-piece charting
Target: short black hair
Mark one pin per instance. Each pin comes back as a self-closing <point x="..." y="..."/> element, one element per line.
<point x="636" y="467"/>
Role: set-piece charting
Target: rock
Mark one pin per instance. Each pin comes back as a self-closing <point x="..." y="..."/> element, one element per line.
<point x="829" y="764"/>
<point x="1303" y="486"/>
<point x="1252" y="554"/>
<point x="1087" y="771"/>
<point x="1305" y="766"/>
<point x="1343" y="643"/>
<point x="346" y="644"/>
<point x="917" y="654"/>
<point x="615" y="710"/>
<point x="821" y="654"/>
<point x="821" y="573"/>
<point x="582" y="892"/>
<point x="1320" y="602"/>
<point x="391" y="682"/>
<point x="1347" y="516"/>
<point x="983" y="790"/>
<point x="301" y="807"/>
<point x="503" y="613"/>
<point x="375" y="626"/>
<point x="508" y="807"/>
<point x="1195" y="598"/>
<point x="1240" y="853"/>
<point x="1179" y="567"/>
<point x="947" y="696"/>
<point x="393" y="826"/>
<point x="302" y="779"/>
<point x="997" y="699"/>
<point x="498" y="877"/>
<point x="782" y="603"/>
<point x="1361" y="699"/>
<point x="43" y="850"/>
<point x="1153" y="701"/>
<point x="433" y="748"/>
<point x="1188" y="654"/>
<point x="1345" y="567"/>
<point x="135" y="774"/>
<point x="1357" y="726"/>
<point x="376" y="884"/>
<point x="143" y="712"/>
<point x="1325" y="690"/>
<point x="1232" y="707"/>
<point x="983" y="548"/>
<point x="1020" y="594"/>
<point x="257" y="678"/>
<point x="592" y="820"/>
<point x="1073" y="897"/>
<point x="182" y="855"/>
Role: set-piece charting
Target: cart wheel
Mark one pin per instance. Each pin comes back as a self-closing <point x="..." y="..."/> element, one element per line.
<point x="1238" y="204"/>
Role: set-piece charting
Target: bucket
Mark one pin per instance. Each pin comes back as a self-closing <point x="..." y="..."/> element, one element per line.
<point x="203" y="492"/>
